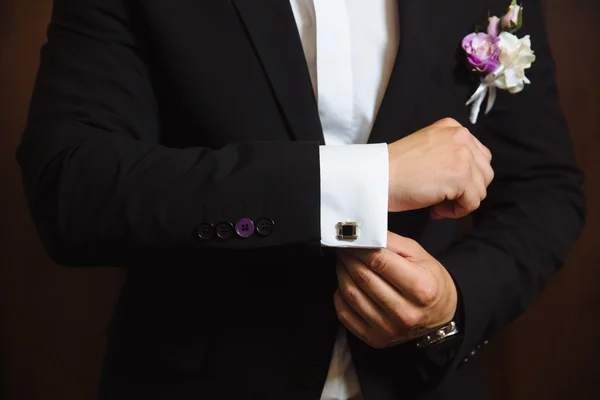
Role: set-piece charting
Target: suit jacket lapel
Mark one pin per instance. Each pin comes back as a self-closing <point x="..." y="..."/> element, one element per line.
<point x="272" y="29"/>
<point x="411" y="71"/>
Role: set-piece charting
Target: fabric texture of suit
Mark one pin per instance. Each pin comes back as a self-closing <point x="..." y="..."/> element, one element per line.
<point x="152" y="117"/>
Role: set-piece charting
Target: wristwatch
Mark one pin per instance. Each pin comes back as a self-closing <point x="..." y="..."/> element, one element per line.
<point x="439" y="335"/>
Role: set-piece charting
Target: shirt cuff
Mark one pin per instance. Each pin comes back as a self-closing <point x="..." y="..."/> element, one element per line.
<point x="354" y="188"/>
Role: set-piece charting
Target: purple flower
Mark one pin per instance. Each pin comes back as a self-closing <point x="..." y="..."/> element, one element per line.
<point x="482" y="51"/>
<point x="493" y="28"/>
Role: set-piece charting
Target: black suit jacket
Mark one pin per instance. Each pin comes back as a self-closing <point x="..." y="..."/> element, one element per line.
<point x="150" y="118"/>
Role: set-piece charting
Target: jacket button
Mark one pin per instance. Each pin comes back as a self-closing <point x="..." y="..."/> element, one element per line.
<point x="206" y="231"/>
<point x="224" y="230"/>
<point x="264" y="226"/>
<point x="244" y="228"/>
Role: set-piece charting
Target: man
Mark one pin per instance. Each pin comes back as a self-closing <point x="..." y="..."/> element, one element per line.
<point x="232" y="156"/>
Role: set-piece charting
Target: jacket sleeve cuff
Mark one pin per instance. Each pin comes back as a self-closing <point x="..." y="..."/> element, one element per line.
<point x="354" y="188"/>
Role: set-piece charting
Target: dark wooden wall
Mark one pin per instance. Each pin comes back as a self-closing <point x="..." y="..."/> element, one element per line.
<point x="52" y="319"/>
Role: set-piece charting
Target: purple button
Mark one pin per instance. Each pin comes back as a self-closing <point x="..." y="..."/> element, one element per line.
<point x="244" y="228"/>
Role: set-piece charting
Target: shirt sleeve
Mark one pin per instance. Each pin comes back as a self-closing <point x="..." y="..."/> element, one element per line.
<point x="354" y="189"/>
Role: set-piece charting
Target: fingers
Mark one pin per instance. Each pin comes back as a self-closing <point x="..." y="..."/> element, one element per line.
<point x="483" y="159"/>
<point x="480" y="178"/>
<point x="354" y="296"/>
<point x="350" y="318"/>
<point x="464" y="206"/>
<point x="473" y="195"/>
<point x="387" y="282"/>
<point x="403" y="311"/>
<point x="386" y="298"/>
<point x="481" y="154"/>
<point x="473" y="174"/>
<point x="484" y="150"/>
<point x="443" y="210"/>
<point x="465" y="136"/>
<point x="469" y="200"/>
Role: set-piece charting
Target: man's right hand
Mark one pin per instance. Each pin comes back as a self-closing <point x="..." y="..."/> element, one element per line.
<point x="443" y="166"/>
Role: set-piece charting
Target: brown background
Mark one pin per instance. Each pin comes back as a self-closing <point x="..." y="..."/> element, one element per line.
<point x="52" y="319"/>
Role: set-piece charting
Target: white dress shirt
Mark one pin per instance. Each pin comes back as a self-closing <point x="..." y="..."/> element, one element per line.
<point x="350" y="48"/>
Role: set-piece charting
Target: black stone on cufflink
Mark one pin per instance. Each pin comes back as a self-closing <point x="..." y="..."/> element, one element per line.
<point x="347" y="230"/>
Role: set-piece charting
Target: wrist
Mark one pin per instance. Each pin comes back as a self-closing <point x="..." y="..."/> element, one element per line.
<point x="393" y="198"/>
<point x="452" y="299"/>
<point x="397" y="195"/>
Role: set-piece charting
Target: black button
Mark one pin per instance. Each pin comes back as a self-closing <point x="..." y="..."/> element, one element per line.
<point x="206" y="231"/>
<point x="264" y="226"/>
<point x="224" y="230"/>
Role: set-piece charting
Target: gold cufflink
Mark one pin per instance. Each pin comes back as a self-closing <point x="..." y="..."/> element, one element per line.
<point x="347" y="230"/>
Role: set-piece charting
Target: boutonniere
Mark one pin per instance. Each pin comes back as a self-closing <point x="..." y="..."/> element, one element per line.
<point x="499" y="57"/>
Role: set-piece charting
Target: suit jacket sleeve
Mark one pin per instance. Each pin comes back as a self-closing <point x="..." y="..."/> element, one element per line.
<point x="534" y="210"/>
<point x="103" y="191"/>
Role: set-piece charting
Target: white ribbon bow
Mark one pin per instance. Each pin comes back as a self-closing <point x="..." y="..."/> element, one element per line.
<point x="486" y="88"/>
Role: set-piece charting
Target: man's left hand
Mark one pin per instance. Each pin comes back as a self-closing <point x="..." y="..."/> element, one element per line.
<point x="390" y="296"/>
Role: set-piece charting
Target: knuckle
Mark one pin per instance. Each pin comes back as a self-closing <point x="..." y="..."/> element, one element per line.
<point x="363" y="278"/>
<point x="426" y="293"/>
<point x="349" y="293"/>
<point x="466" y="209"/>
<point x="449" y="122"/>
<point x="488" y="152"/>
<point x="343" y="317"/>
<point x="411" y="320"/>
<point x="491" y="175"/>
<point x="462" y="166"/>
<point x="473" y="204"/>
<point x="377" y="261"/>
<point x="465" y="156"/>
<point x="461" y="134"/>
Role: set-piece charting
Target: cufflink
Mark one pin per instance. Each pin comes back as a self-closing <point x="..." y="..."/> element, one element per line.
<point x="347" y="230"/>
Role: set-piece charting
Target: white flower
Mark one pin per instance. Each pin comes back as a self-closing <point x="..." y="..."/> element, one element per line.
<point x="515" y="57"/>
